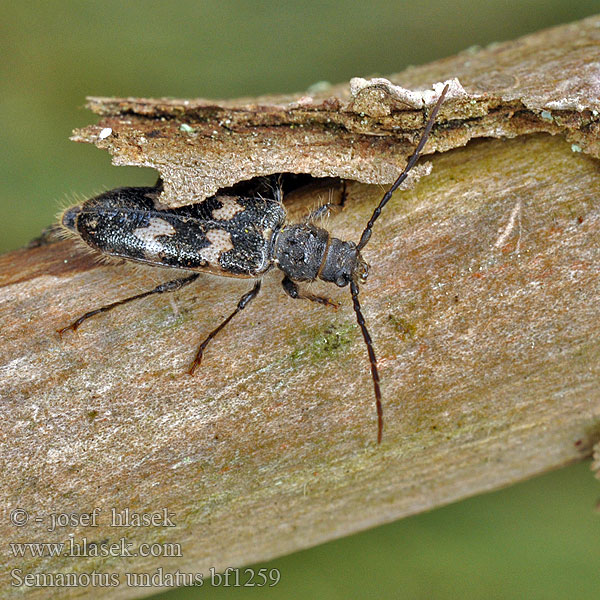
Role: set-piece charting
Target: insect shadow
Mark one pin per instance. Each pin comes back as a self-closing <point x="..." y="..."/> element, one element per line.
<point x="232" y="235"/>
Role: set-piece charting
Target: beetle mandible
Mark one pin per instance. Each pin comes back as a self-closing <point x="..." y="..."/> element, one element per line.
<point x="231" y="236"/>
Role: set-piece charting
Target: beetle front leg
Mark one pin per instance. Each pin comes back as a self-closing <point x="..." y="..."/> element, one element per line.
<point x="292" y="290"/>
<point x="325" y="209"/>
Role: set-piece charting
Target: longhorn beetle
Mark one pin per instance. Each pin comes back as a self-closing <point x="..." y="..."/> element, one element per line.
<point x="231" y="236"/>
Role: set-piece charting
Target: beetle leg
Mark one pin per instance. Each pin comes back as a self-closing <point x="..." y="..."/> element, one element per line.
<point x="344" y="194"/>
<point x="244" y="301"/>
<point x="325" y="209"/>
<point x="168" y="286"/>
<point x="320" y="212"/>
<point x="292" y="290"/>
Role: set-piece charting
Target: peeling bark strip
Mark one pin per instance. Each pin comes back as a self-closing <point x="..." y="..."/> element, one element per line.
<point x="364" y="130"/>
<point x="484" y="303"/>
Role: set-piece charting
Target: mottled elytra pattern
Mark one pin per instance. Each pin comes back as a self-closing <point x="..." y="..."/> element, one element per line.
<point x="233" y="236"/>
<point x="222" y="235"/>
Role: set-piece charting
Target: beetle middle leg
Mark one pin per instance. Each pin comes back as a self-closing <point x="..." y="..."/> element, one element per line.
<point x="244" y="301"/>
<point x="168" y="286"/>
<point x="293" y="291"/>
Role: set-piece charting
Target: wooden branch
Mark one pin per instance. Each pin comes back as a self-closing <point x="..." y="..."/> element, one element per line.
<point x="363" y="130"/>
<point x="483" y="302"/>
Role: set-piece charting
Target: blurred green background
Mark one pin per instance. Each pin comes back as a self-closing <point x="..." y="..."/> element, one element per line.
<point x="540" y="539"/>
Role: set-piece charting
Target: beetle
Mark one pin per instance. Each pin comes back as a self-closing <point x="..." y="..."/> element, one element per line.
<point x="231" y="236"/>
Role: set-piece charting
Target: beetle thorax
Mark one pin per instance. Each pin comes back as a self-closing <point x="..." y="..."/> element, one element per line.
<point x="305" y="252"/>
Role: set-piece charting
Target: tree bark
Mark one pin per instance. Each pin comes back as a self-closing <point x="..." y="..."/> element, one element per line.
<point x="482" y="300"/>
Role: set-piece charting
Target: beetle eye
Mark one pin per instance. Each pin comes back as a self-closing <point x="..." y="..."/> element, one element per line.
<point x="341" y="281"/>
<point x="363" y="271"/>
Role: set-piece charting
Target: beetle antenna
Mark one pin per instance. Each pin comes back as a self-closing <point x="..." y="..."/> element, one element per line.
<point x="366" y="235"/>
<point x="372" y="359"/>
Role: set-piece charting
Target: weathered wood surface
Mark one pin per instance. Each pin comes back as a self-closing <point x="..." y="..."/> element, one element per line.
<point x="365" y="129"/>
<point x="483" y="301"/>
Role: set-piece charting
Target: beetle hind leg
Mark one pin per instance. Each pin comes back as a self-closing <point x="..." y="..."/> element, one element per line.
<point x="168" y="286"/>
